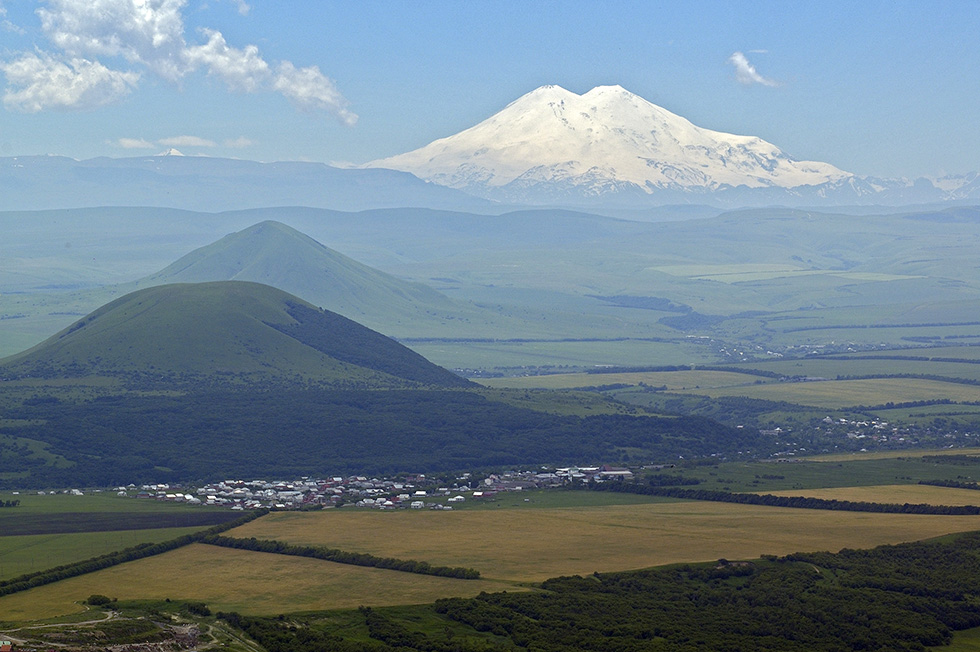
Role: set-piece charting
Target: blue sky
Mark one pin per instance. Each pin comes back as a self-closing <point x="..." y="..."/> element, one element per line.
<point x="877" y="88"/>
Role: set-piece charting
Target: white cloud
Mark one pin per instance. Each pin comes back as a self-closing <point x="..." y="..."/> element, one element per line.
<point x="6" y="24"/>
<point x="10" y="27"/>
<point x="38" y="82"/>
<point x="150" y="35"/>
<point x="148" y="32"/>
<point x="242" y="70"/>
<point x="308" y="89"/>
<point x="134" y="143"/>
<point x="238" y="143"/>
<point x="187" y="141"/>
<point x="746" y="73"/>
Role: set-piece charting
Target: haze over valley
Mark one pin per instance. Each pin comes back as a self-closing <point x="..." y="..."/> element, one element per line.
<point x="455" y="328"/>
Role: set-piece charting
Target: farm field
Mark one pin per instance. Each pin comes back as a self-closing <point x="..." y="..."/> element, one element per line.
<point x="836" y="394"/>
<point x="53" y="506"/>
<point x="673" y="380"/>
<point x="507" y="545"/>
<point x="824" y="368"/>
<point x="956" y="352"/>
<point x="893" y="454"/>
<point x="533" y="545"/>
<point x="954" y="412"/>
<point x="900" y="494"/>
<point x="54" y="529"/>
<point x="885" y="468"/>
<point x="30" y="553"/>
<point x="511" y="356"/>
<point x="236" y="580"/>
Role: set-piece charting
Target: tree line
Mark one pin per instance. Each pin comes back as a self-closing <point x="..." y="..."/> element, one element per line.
<point x="341" y="556"/>
<point x="952" y="484"/>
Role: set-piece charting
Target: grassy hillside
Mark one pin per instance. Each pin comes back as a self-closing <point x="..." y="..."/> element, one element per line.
<point x="225" y="330"/>
<point x="275" y="254"/>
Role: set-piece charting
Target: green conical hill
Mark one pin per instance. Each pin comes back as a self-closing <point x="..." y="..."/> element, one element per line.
<point x="221" y="330"/>
<point x="275" y="254"/>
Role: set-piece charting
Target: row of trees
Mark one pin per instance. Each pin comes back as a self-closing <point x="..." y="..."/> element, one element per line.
<point x="953" y="484"/>
<point x="341" y="556"/>
<point x="58" y="573"/>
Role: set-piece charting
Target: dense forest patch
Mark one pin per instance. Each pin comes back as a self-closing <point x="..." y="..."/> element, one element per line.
<point x="287" y="432"/>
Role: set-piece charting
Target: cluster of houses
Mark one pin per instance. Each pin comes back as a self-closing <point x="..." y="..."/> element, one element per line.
<point x="412" y="491"/>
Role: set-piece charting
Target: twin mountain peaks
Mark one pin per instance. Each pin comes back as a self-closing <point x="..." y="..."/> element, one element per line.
<point x="606" y="140"/>
<point x="552" y="146"/>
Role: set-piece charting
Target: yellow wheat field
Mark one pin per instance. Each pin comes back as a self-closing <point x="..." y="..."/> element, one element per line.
<point x="533" y="545"/>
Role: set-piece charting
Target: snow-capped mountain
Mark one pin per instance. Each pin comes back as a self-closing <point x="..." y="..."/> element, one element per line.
<point x="552" y="146"/>
<point x="552" y="143"/>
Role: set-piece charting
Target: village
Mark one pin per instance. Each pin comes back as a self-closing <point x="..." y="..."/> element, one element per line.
<point x="414" y="491"/>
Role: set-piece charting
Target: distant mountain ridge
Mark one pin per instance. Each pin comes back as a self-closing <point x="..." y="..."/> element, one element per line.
<point x="552" y="146"/>
<point x="208" y="184"/>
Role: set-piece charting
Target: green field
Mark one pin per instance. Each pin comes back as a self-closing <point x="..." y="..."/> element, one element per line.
<point x="837" y="394"/>
<point x="967" y="640"/>
<point x="888" y="468"/>
<point x="952" y="351"/>
<point x="55" y="529"/>
<point x="671" y="380"/>
<point x="30" y="553"/>
<point x="854" y="366"/>
<point x="511" y="356"/>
